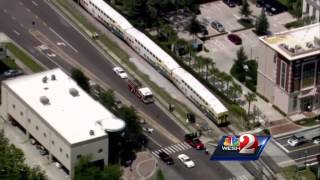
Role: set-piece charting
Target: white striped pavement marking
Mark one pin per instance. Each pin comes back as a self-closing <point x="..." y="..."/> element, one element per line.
<point x="166" y="150"/>
<point x="155" y="154"/>
<point x="187" y="146"/>
<point x="157" y="151"/>
<point x="177" y="147"/>
<point x="182" y="146"/>
<point x="173" y="150"/>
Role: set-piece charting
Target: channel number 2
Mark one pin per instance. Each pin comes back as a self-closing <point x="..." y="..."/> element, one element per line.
<point x="248" y="144"/>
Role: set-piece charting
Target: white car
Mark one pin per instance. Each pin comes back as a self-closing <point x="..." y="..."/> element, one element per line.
<point x="186" y="160"/>
<point x="295" y="140"/>
<point x="316" y="141"/>
<point x="120" y="72"/>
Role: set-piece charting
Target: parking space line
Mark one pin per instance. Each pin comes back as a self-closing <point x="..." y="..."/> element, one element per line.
<point x="283" y="148"/>
<point x="16" y="32"/>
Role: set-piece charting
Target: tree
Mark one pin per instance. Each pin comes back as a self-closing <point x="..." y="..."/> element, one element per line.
<point x="194" y="27"/>
<point x="250" y="97"/>
<point x="245" y="9"/>
<point x="159" y="175"/>
<point x="237" y="69"/>
<point x="262" y="24"/>
<point x="106" y="98"/>
<point x="81" y="79"/>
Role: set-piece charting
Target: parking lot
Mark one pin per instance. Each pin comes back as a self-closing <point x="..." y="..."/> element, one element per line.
<point x="304" y="152"/>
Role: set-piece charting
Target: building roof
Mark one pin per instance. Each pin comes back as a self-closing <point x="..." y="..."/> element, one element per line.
<point x="113" y="14"/>
<point x="163" y="57"/>
<point x="145" y="91"/>
<point x="64" y="105"/>
<point x="202" y="91"/>
<point x="296" y="43"/>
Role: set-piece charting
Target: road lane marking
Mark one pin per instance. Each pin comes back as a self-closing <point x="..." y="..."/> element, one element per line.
<point x="303" y="148"/>
<point x="16" y="32"/>
<point x="36" y="4"/>
<point x="173" y="150"/>
<point x="5" y="11"/>
<point x="20" y="3"/>
<point x="21" y="25"/>
<point x="28" y="10"/>
<point x="177" y="147"/>
<point x="164" y="150"/>
<point x="283" y="148"/>
<point x="13" y="17"/>
<point x="61" y="44"/>
<point x="155" y="154"/>
<point x="63" y="40"/>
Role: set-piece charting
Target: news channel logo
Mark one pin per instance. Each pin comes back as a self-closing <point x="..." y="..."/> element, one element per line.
<point x="240" y="148"/>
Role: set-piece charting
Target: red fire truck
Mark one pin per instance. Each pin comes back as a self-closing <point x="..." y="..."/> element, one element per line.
<point x="144" y="93"/>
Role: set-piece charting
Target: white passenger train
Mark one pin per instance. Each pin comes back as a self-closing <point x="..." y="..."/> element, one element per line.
<point x="163" y="62"/>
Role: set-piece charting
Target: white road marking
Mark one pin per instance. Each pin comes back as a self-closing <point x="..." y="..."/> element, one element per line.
<point x="51" y="55"/>
<point x="182" y="146"/>
<point x="28" y="10"/>
<point x="61" y="44"/>
<point x="43" y="47"/>
<point x="164" y="150"/>
<point x="172" y="150"/>
<point x="236" y="16"/>
<point x="155" y="154"/>
<point x="5" y="11"/>
<point x="293" y="160"/>
<point x="20" y="3"/>
<point x="36" y="4"/>
<point x="282" y="147"/>
<point x="16" y="32"/>
<point x="187" y="145"/>
<point x="21" y="25"/>
<point x="13" y="17"/>
<point x="177" y="147"/>
<point x="63" y="39"/>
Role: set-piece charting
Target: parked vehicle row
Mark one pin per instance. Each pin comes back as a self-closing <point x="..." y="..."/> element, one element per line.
<point x="157" y="57"/>
<point x="298" y="139"/>
<point x="13" y="73"/>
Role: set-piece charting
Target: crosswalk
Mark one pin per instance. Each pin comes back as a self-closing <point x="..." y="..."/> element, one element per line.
<point x="242" y="177"/>
<point x="172" y="149"/>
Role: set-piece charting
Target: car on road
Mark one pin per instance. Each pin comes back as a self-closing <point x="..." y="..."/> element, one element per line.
<point x="316" y="140"/>
<point x="193" y="141"/>
<point x="13" y="73"/>
<point x="230" y="3"/>
<point x="120" y="72"/>
<point x="166" y="158"/>
<point x="186" y="160"/>
<point x="296" y="139"/>
<point x="217" y="26"/>
<point x="235" y="39"/>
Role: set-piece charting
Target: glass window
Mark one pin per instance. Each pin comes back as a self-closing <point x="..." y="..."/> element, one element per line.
<point x="44" y="134"/>
<point x="100" y="150"/>
<point x="60" y="149"/>
<point x="13" y="106"/>
<point x="283" y="74"/>
<point x="308" y="75"/>
<point x="21" y="113"/>
<point x="295" y="102"/>
<point x="78" y="156"/>
<point x="52" y="142"/>
<point x="37" y="128"/>
<point x="67" y="156"/>
<point x="29" y="120"/>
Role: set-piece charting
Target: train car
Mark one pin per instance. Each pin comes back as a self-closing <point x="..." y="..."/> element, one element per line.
<point x="200" y="96"/>
<point x="151" y="51"/>
<point x="107" y="16"/>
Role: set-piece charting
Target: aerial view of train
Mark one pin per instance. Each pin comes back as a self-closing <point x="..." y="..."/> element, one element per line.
<point x="158" y="58"/>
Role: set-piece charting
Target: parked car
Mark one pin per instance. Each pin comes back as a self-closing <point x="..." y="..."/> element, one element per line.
<point x="166" y="158"/>
<point x="118" y="103"/>
<point x="193" y="141"/>
<point x="230" y="3"/>
<point x="13" y="73"/>
<point x="43" y="152"/>
<point x="235" y="39"/>
<point x="217" y="26"/>
<point x="296" y="139"/>
<point x="120" y="72"/>
<point x="260" y="3"/>
<point x="186" y="160"/>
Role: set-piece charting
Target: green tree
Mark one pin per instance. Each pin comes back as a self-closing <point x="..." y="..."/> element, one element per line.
<point x="237" y="69"/>
<point x="250" y="97"/>
<point x="194" y="27"/>
<point x="106" y="98"/>
<point x="245" y="9"/>
<point x="262" y="24"/>
<point x="81" y="79"/>
<point x="159" y="175"/>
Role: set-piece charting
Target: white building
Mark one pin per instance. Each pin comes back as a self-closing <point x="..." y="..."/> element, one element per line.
<point x="52" y="109"/>
<point x="311" y="8"/>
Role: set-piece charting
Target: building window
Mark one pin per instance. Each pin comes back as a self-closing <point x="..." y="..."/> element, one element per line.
<point x="52" y="142"/>
<point x="308" y="74"/>
<point x="13" y="106"/>
<point x="60" y="149"/>
<point x="44" y="134"/>
<point x="283" y="74"/>
<point x="21" y="113"/>
<point x="37" y="128"/>
<point x="295" y="102"/>
<point x="100" y="150"/>
<point x="79" y="156"/>
<point x="67" y="156"/>
<point x="29" y="120"/>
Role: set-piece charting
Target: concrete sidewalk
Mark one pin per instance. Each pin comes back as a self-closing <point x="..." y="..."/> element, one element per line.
<point x="144" y="166"/>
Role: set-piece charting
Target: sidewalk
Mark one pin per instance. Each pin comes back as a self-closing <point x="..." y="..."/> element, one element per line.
<point x="143" y="167"/>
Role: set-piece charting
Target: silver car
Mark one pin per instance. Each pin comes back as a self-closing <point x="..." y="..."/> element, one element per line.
<point x="217" y="26"/>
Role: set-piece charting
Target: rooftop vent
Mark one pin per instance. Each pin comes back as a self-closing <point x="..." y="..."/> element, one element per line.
<point x="44" y="100"/>
<point x="285" y="46"/>
<point x="74" y="92"/>
<point x="292" y="50"/>
<point x="53" y="77"/>
<point x="45" y="79"/>
<point x="91" y="132"/>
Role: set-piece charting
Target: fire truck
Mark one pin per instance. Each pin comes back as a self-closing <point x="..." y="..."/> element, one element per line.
<point x="144" y="94"/>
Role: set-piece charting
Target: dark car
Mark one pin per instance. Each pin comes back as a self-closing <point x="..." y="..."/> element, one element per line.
<point x="193" y="141"/>
<point x="230" y="3"/>
<point x="260" y="3"/>
<point x="166" y="158"/>
<point x="235" y="39"/>
<point x="12" y="73"/>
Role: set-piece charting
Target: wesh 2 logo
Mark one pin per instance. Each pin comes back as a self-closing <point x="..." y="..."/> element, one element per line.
<point x="244" y="147"/>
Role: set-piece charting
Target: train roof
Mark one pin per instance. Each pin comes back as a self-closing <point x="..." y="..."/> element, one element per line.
<point x="201" y="90"/>
<point x="113" y="14"/>
<point x="166" y="59"/>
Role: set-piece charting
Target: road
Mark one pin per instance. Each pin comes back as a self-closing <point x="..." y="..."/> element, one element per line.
<point x="302" y="153"/>
<point x="55" y="43"/>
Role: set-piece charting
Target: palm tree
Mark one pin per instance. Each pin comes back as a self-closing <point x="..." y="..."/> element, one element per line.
<point x="204" y="62"/>
<point x="237" y="89"/>
<point x="228" y="79"/>
<point x="250" y="97"/>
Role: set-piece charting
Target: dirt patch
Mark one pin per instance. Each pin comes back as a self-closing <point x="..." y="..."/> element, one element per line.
<point x="284" y="128"/>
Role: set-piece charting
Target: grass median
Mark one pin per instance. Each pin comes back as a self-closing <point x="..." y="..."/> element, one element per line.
<point x="23" y="57"/>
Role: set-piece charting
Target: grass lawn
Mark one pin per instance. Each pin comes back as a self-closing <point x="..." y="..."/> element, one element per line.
<point x="23" y="57"/>
<point x="9" y="63"/>
<point x="290" y="173"/>
<point x="308" y="122"/>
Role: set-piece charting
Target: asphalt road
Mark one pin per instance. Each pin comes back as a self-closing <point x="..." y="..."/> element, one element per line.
<point x="67" y="45"/>
<point x="303" y="152"/>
